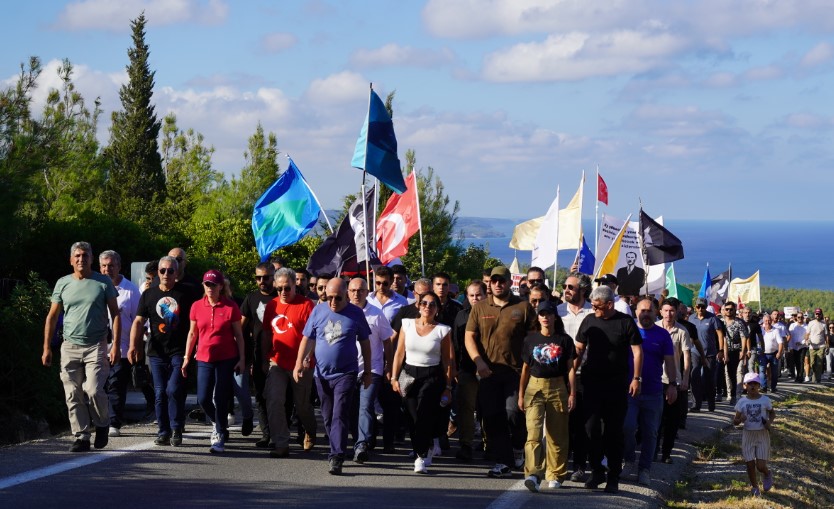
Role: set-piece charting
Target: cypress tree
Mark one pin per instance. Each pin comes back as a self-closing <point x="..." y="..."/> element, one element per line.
<point x="136" y="180"/>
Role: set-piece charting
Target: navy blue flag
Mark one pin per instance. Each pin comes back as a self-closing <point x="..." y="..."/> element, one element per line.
<point x="376" y="148"/>
<point x="585" y="258"/>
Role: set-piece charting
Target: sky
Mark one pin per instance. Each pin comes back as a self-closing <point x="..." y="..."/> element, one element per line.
<point x="705" y="109"/>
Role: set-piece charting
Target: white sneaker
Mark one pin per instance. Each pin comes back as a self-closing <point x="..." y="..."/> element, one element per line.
<point x="629" y="472"/>
<point x="114" y="432"/>
<point x="554" y="484"/>
<point x="429" y="456"/>
<point x="518" y="458"/>
<point x="215" y="437"/>
<point x="807" y="378"/>
<point x="435" y="450"/>
<point x="532" y="483"/>
<point x="231" y="419"/>
<point x="420" y="466"/>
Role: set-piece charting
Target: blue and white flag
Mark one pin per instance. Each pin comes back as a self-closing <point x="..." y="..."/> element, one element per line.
<point x="376" y="148"/>
<point x="284" y="213"/>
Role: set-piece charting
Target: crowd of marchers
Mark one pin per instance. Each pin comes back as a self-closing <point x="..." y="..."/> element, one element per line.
<point x="557" y="385"/>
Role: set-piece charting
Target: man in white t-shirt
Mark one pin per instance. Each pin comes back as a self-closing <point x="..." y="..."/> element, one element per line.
<point x="798" y="348"/>
<point x="363" y="415"/>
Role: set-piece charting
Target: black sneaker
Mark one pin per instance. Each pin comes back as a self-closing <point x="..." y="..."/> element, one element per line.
<point x="263" y="442"/>
<point x="360" y="453"/>
<point x="499" y="471"/>
<point x="597" y="478"/>
<point x="80" y="446"/>
<point x="612" y="486"/>
<point x="335" y="466"/>
<point x="247" y="427"/>
<point x="102" y="436"/>
<point x="162" y="440"/>
<point x="464" y="453"/>
<point x="176" y="438"/>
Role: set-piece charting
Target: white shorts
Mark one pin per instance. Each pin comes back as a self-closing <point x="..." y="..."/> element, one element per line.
<point x="755" y="445"/>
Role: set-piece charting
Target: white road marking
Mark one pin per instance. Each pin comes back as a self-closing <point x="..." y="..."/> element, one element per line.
<point x="82" y="461"/>
<point x="513" y="498"/>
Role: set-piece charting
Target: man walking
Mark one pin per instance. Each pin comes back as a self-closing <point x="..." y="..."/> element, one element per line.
<point x="85" y="297"/>
<point x="110" y="264"/>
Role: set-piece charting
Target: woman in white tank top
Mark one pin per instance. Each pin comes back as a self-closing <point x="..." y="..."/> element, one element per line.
<point x="422" y="373"/>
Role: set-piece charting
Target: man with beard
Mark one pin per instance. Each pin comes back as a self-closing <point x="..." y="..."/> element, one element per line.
<point x="254" y="336"/>
<point x="575" y="308"/>
<point x="735" y="348"/>
<point x="495" y="335"/>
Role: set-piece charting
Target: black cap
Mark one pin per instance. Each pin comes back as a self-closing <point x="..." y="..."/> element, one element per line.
<point x="545" y="306"/>
<point x="607" y="279"/>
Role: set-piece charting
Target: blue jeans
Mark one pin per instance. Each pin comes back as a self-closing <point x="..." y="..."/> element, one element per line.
<point x="116" y="389"/>
<point x="335" y="410"/>
<point x="645" y="410"/>
<point x="769" y="359"/>
<point x="363" y="417"/>
<point x="244" y="398"/>
<point x="214" y="389"/>
<point x="169" y="391"/>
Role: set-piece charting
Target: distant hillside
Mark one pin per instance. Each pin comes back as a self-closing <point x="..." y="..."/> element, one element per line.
<point x="485" y="227"/>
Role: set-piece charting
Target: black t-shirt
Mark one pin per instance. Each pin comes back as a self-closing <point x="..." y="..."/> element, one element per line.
<point x="168" y="313"/>
<point x="607" y="343"/>
<point x="755" y="331"/>
<point x="462" y="358"/>
<point x="548" y="356"/>
<point x="448" y="312"/>
<point x="252" y="309"/>
<point x="409" y="311"/>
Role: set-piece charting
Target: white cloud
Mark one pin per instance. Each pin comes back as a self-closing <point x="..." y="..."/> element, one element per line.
<point x="818" y="55"/>
<point x="338" y="88"/>
<point x="115" y="15"/>
<point x="394" y="54"/>
<point x="277" y="42"/>
<point x="576" y="56"/>
<point x="808" y="121"/>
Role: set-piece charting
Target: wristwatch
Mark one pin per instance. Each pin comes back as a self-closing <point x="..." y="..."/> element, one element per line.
<point x="639" y="379"/>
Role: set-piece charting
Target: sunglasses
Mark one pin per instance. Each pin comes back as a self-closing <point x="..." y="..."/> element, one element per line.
<point x="571" y="287"/>
<point x="321" y="287"/>
<point x="209" y="284"/>
<point x="534" y="281"/>
<point x="428" y="304"/>
<point x="179" y="259"/>
<point x="262" y="278"/>
<point x="498" y="280"/>
<point x="335" y="298"/>
<point x="167" y="271"/>
<point x="280" y="289"/>
<point x="382" y="283"/>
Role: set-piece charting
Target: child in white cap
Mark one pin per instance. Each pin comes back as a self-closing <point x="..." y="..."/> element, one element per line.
<point x="755" y="411"/>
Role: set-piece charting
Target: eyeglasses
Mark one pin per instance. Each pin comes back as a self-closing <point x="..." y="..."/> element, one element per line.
<point x="599" y="306"/>
<point x="262" y="278"/>
<point x="280" y="289"/>
<point x="209" y="284"/>
<point x="382" y="283"/>
<point x="571" y="287"/>
<point x="498" y="280"/>
<point x="428" y="304"/>
<point x="535" y="281"/>
<point x="311" y="285"/>
<point x="535" y="301"/>
<point x="321" y="287"/>
<point x="357" y="290"/>
<point x="335" y="298"/>
<point x="165" y="270"/>
<point x="179" y="259"/>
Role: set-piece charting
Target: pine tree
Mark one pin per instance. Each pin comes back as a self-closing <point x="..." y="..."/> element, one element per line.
<point x="136" y="181"/>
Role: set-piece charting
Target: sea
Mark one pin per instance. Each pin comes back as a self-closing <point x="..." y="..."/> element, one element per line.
<point x="787" y="254"/>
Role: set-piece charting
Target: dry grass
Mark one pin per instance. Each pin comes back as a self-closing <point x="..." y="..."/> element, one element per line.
<point x="802" y="460"/>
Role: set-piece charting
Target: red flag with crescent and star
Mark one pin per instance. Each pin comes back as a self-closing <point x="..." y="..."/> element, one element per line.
<point x="398" y="222"/>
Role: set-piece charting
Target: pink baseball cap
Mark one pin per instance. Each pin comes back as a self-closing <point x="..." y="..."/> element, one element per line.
<point x="752" y="377"/>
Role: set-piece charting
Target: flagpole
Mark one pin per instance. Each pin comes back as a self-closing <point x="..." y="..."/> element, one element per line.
<point x="556" y="258"/>
<point x="419" y="222"/>
<point x="326" y="220"/>
<point x="364" y="211"/>
<point x="596" y="220"/>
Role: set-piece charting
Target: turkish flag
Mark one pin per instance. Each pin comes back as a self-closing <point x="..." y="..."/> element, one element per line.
<point x="602" y="190"/>
<point x="398" y="222"/>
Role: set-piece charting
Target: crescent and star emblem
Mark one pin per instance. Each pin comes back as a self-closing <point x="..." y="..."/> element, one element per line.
<point x="277" y="328"/>
<point x="398" y="226"/>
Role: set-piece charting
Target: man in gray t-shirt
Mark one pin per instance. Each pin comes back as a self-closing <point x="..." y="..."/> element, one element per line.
<point x="84" y="297"/>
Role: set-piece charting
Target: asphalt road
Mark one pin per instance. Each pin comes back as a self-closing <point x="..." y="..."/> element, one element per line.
<point x="132" y="472"/>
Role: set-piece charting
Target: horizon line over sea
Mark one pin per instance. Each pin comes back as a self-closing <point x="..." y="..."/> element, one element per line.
<point x="787" y="254"/>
